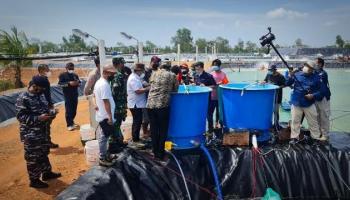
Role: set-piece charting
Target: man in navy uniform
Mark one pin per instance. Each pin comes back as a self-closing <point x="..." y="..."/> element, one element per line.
<point x="33" y="114"/>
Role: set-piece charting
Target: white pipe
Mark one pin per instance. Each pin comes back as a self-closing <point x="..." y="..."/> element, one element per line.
<point x="140" y="52"/>
<point x="102" y="55"/>
<point x="196" y="53"/>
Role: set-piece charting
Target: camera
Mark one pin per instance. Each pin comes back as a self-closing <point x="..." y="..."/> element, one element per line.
<point x="268" y="38"/>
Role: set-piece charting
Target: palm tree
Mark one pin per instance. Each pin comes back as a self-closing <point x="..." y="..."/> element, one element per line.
<point x="14" y="44"/>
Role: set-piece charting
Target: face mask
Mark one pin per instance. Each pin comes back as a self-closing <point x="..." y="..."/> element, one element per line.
<point x="48" y="74"/>
<point x="142" y="75"/>
<point x="317" y="67"/>
<point x="306" y="70"/>
<point x="269" y="72"/>
<point x="71" y="71"/>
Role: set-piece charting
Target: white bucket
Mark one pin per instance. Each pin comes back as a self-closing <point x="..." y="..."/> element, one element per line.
<point x="92" y="152"/>
<point x="86" y="132"/>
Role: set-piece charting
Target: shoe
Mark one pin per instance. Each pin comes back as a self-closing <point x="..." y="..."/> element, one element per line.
<point x="323" y="138"/>
<point x="293" y="141"/>
<point x="105" y="163"/>
<point x="50" y="175"/>
<point x="77" y="126"/>
<point x="53" y="145"/>
<point x="70" y="128"/>
<point x="37" y="183"/>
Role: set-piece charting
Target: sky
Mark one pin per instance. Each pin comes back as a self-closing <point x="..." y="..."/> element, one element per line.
<point x="316" y="22"/>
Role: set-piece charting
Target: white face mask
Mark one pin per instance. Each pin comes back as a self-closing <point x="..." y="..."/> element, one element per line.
<point x="306" y="70"/>
<point x="142" y="75"/>
<point x="48" y="74"/>
<point x="71" y="71"/>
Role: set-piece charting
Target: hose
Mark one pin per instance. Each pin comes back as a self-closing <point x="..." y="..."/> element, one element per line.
<point x="182" y="173"/>
<point x="213" y="169"/>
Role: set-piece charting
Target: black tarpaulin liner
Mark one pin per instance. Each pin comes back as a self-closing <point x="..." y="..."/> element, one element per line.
<point x="295" y="172"/>
<point x="7" y="102"/>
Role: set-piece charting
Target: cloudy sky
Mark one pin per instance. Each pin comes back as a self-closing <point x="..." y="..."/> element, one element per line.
<point x="316" y="22"/>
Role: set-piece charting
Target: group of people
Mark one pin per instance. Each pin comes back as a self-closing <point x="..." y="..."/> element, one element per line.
<point x="310" y="98"/>
<point x="146" y="92"/>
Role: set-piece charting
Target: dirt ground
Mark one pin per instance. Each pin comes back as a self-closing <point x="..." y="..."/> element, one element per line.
<point x="69" y="159"/>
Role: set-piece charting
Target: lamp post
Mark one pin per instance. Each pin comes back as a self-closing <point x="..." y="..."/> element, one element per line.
<point x="139" y="46"/>
<point x="101" y="46"/>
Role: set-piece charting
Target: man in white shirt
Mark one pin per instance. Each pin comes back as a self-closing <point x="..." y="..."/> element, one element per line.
<point x="104" y="111"/>
<point x="136" y="99"/>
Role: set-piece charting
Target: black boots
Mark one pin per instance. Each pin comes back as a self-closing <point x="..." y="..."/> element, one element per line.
<point x="37" y="183"/>
<point x="50" y="175"/>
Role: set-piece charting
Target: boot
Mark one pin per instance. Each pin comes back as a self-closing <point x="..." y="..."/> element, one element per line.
<point x="37" y="183"/>
<point x="50" y="175"/>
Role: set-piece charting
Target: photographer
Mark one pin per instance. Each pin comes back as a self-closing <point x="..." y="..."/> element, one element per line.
<point x="33" y="115"/>
<point x="306" y="88"/>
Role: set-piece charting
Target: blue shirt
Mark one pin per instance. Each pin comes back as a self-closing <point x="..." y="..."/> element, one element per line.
<point x="305" y="84"/>
<point x="205" y="78"/>
<point x="325" y="91"/>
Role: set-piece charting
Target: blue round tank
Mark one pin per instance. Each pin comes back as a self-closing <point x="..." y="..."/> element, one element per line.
<point x="188" y="112"/>
<point x="247" y="105"/>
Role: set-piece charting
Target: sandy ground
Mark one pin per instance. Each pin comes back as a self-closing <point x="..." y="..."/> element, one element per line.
<point x="69" y="159"/>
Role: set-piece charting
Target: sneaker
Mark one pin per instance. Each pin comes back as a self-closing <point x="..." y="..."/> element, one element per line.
<point x="70" y="128"/>
<point x="77" y="126"/>
<point x="293" y="141"/>
<point x="50" y="175"/>
<point x="37" y="183"/>
<point x="53" y="145"/>
<point x="105" y="163"/>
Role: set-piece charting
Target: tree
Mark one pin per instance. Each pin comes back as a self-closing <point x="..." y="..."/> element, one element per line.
<point x="184" y="38"/>
<point x="250" y="47"/>
<point x="222" y="45"/>
<point x="15" y="44"/>
<point x="339" y="41"/>
<point x="201" y="43"/>
<point x="149" y="46"/>
<point x="239" y="48"/>
<point x="74" y="44"/>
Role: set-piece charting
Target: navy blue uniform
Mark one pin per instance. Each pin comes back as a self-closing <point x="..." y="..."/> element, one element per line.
<point x="324" y="87"/>
<point x="33" y="133"/>
<point x="70" y="95"/>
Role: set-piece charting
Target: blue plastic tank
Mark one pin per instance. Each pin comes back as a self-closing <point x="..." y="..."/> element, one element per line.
<point x="188" y="112"/>
<point x="247" y="105"/>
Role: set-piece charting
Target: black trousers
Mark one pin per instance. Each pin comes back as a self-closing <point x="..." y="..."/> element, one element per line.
<point x="71" y="104"/>
<point x="136" y="123"/>
<point x="159" y="122"/>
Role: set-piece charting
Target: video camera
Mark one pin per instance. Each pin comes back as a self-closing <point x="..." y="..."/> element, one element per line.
<point x="268" y="38"/>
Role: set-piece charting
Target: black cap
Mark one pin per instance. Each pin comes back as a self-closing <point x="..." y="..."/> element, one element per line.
<point x="198" y="64"/>
<point x="40" y="81"/>
<point x="118" y="60"/>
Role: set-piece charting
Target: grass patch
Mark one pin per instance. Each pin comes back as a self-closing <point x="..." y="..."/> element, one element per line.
<point x="6" y="85"/>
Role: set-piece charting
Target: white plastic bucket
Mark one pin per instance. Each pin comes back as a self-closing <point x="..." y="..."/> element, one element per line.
<point x="86" y="132"/>
<point x="92" y="152"/>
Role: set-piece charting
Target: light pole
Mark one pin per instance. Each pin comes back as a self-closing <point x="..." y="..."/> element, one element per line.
<point x="101" y="46"/>
<point x="139" y="46"/>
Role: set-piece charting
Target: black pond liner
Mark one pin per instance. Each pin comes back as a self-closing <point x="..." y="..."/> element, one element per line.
<point x="295" y="172"/>
<point x="8" y="101"/>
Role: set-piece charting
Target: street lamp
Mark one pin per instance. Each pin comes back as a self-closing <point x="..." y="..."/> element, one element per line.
<point x="101" y="46"/>
<point x="139" y="45"/>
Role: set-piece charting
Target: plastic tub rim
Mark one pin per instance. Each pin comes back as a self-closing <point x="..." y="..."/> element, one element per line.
<point x="271" y="86"/>
<point x="208" y="89"/>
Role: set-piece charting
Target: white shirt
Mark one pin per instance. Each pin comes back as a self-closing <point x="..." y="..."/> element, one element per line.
<point x="135" y="83"/>
<point x="102" y="90"/>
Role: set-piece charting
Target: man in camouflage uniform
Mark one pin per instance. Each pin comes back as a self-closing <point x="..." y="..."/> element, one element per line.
<point x="118" y="87"/>
<point x="33" y="115"/>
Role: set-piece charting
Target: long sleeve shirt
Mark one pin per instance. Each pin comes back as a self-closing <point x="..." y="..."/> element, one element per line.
<point x="305" y="84"/>
<point x="68" y="90"/>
